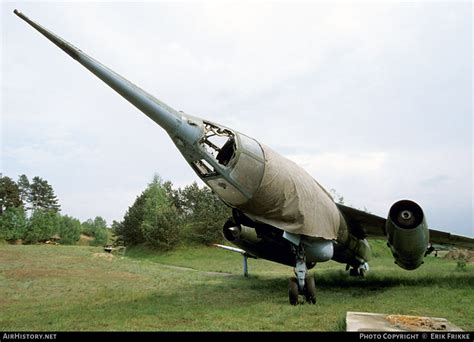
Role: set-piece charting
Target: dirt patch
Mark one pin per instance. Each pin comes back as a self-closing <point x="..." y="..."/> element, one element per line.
<point x="415" y="323"/>
<point x="458" y="254"/>
<point x="4" y="302"/>
<point x="103" y="256"/>
<point x="84" y="240"/>
<point x="32" y="273"/>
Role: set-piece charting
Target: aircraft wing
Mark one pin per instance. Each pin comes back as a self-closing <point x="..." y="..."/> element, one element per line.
<point x="362" y="224"/>
<point x="443" y="238"/>
<point x="365" y="225"/>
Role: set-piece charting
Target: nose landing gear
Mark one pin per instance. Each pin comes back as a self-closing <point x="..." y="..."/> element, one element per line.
<point x="303" y="282"/>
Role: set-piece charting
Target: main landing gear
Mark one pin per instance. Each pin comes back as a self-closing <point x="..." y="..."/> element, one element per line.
<point x="359" y="271"/>
<point x="303" y="282"/>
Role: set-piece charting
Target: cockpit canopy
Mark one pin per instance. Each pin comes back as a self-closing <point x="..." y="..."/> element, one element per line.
<point x="232" y="163"/>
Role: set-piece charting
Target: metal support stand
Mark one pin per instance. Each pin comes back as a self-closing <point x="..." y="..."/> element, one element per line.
<point x="246" y="266"/>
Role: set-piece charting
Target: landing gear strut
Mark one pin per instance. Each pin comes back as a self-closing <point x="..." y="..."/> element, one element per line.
<point x="302" y="283"/>
<point x="359" y="271"/>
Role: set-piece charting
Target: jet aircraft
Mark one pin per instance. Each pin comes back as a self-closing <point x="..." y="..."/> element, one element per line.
<point x="279" y="212"/>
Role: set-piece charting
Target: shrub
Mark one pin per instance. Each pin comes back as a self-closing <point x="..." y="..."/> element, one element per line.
<point x="13" y="223"/>
<point x="69" y="230"/>
<point x="43" y="224"/>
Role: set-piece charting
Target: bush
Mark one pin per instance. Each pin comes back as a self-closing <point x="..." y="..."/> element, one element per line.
<point x="205" y="231"/>
<point x="204" y="214"/>
<point x="461" y="264"/>
<point x="161" y="225"/>
<point x="13" y="224"/>
<point x="97" y="229"/>
<point x="161" y="228"/>
<point x="100" y="237"/>
<point x="43" y="224"/>
<point x="69" y="230"/>
<point x="162" y="216"/>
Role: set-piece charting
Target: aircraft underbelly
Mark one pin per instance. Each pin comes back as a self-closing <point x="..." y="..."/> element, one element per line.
<point x="290" y="199"/>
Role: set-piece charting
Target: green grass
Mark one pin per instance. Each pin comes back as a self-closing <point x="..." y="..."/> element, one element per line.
<point x="79" y="288"/>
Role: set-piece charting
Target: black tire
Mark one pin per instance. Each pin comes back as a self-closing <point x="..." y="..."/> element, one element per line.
<point x="310" y="289"/>
<point x="293" y="291"/>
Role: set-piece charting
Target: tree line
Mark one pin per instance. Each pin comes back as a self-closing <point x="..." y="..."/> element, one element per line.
<point x="30" y="213"/>
<point x="163" y="217"/>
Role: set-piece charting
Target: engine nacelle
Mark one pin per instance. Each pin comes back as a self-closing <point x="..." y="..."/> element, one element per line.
<point x="246" y="237"/>
<point x="408" y="234"/>
<point x="235" y="232"/>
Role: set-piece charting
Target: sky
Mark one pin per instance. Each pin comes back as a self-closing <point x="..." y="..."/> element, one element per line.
<point x="373" y="100"/>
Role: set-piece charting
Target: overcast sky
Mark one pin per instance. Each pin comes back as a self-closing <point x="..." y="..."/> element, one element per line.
<point x="372" y="100"/>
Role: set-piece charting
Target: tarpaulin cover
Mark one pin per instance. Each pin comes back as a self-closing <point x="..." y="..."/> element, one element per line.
<point x="290" y="199"/>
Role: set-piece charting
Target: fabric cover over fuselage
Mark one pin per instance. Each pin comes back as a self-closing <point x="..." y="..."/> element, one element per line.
<point x="290" y="199"/>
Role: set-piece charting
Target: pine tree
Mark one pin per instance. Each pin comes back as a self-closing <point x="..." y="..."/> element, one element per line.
<point x="128" y="231"/>
<point x="42" y="195"/>
<point x="24" y="187"/>
<point x="9" y="194"/>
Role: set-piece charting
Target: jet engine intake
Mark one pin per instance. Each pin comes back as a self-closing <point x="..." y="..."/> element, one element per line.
<point x="408" y="234"/>
<point x="235" y="232"/>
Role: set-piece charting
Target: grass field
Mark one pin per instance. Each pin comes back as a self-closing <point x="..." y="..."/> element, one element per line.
<point x="55" y="288"/>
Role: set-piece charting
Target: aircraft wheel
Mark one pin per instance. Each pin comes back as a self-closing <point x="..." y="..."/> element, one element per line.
<point x="310" y="292"/>
<point x="293" y="291"/>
